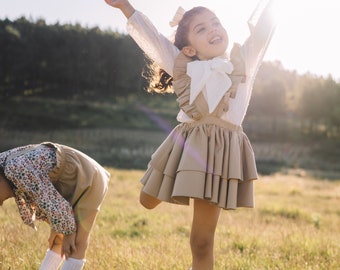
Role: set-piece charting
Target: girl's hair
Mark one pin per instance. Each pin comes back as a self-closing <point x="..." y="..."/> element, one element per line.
<point x="2" y="173"/>
<point x="159" y="80"/>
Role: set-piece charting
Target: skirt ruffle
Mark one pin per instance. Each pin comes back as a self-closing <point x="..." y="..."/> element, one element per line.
<point x="208" y="159"/>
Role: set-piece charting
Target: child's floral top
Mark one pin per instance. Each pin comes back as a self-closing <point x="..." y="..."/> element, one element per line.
<point x="35" y="195"/>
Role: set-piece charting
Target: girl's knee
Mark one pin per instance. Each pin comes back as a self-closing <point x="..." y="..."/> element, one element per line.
<point x="81" y="247"/>
<point x="201" y="245"/>
<point x="201" y="240"/>
<point x="82" y="242"/>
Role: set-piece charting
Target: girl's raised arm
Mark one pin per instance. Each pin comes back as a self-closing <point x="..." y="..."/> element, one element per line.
<point x="124" y="5"/>
<point x="262" y="26"/>
<point x="156" y="46"/>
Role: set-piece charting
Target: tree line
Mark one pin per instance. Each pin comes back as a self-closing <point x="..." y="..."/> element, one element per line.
<point x="73" y="62"/>
<point x="66" y="61"/>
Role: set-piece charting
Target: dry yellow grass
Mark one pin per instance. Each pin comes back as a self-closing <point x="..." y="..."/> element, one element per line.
<point x="295" y="225"/>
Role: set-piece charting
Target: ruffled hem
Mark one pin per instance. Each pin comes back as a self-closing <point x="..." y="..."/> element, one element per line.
<point x="208" y="159"/>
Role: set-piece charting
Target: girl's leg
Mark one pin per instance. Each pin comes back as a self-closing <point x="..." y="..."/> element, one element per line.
<point x="148" y="201"/>
<point x="82" y="241"/>
<point x="83" y="236"/>
<point x="53" y="258"/>
<point x="56" y="242"/>
<point x="202" y="234"/>
<point x="76" y="261"/>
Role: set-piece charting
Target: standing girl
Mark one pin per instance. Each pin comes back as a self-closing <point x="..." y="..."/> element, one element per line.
<point x="207" y="157"/>
<point x="60" y="185"/>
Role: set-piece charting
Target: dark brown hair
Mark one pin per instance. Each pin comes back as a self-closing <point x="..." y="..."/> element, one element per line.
<point x="159" y="80"/>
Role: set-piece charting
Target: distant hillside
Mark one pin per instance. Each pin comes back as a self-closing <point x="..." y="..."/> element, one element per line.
<point x="66" y="77"/>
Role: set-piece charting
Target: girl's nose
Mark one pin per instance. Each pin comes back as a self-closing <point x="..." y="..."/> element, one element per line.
<point x="212" y="29"/>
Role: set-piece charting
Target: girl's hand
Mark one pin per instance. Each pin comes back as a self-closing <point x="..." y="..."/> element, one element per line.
<point x="116" y="3"/>
<point x="55" y="240"/>
<point x="123" y="5"/>
<point x="69" y="245"/>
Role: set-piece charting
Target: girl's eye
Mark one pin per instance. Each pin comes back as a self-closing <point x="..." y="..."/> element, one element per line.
<point x="200" y="30"/>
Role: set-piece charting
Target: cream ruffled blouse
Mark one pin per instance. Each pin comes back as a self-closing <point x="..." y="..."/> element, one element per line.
<point x="210" y="77"/>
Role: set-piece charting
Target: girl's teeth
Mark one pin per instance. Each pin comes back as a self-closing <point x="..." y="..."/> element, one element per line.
<point x="215" y="39"/>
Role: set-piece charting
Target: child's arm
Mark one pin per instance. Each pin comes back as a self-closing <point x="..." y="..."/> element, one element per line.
<point x="156" y="46"/>
<point x="54" y="209"/>
<point x="124" y="5"/>
<point x="262" y="25"/>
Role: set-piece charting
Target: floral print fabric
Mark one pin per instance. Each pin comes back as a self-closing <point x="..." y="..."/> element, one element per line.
<point x="28" y="169"/>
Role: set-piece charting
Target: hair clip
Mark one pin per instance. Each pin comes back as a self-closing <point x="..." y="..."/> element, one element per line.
<point x="178" y="17"/>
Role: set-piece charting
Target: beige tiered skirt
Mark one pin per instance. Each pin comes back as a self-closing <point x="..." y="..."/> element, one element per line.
<point x="208" y="159"/>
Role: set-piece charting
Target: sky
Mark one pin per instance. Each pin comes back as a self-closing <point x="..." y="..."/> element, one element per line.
<point x="305" y="40"/>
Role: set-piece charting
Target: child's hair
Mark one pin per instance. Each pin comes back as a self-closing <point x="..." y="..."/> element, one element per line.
<point x="159" y="80"/>
<point x="2" y="173"/>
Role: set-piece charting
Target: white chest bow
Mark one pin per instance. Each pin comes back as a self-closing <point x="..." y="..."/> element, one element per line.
<point x="211" y="78"/>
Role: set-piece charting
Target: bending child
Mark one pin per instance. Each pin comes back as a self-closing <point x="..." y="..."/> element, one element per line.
<point x="60" y="185"/>
<point x="207" y="157"/>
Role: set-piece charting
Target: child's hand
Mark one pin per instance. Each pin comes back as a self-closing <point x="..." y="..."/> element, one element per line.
<point x="69" y="245"/>
<point x="116" y="3"/>
<point x="123" y="5"/>
<point x="55" y="239"/>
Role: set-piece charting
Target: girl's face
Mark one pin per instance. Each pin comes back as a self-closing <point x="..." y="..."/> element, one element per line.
<point x="207" y="37"/>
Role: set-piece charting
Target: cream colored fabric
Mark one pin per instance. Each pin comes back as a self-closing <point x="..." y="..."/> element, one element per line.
<point x="81" y="181"/>
<point x="208" y="159"/>
<point x="207" y="156"/>
<point x="209" y="77"/>
<point x="197" y="107"/>
<point x="177" y="17"/>
<point x="181" y="85"/>
<point x="161" y="50"/>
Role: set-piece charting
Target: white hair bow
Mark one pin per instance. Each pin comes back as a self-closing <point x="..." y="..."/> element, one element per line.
<point x="178" y="17"/>
<point x="211" y="77"/>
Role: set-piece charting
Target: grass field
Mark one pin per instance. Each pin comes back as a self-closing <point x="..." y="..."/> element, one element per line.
<point x="295" y="225"/>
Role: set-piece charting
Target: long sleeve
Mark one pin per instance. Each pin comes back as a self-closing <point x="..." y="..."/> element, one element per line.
<point x="6" y="154"/>
<point x="156" y="46"/>
<point x="164" y="53"/>
<point x="261" y="26"/>
<point x="35" y="195"/>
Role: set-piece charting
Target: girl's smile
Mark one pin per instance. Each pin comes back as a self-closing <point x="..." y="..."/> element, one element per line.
<point x="216" y="40"/>
<point x="207" y="37"/>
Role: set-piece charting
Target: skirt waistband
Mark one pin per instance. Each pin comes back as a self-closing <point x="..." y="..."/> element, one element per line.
<point x="212" y="120"/>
